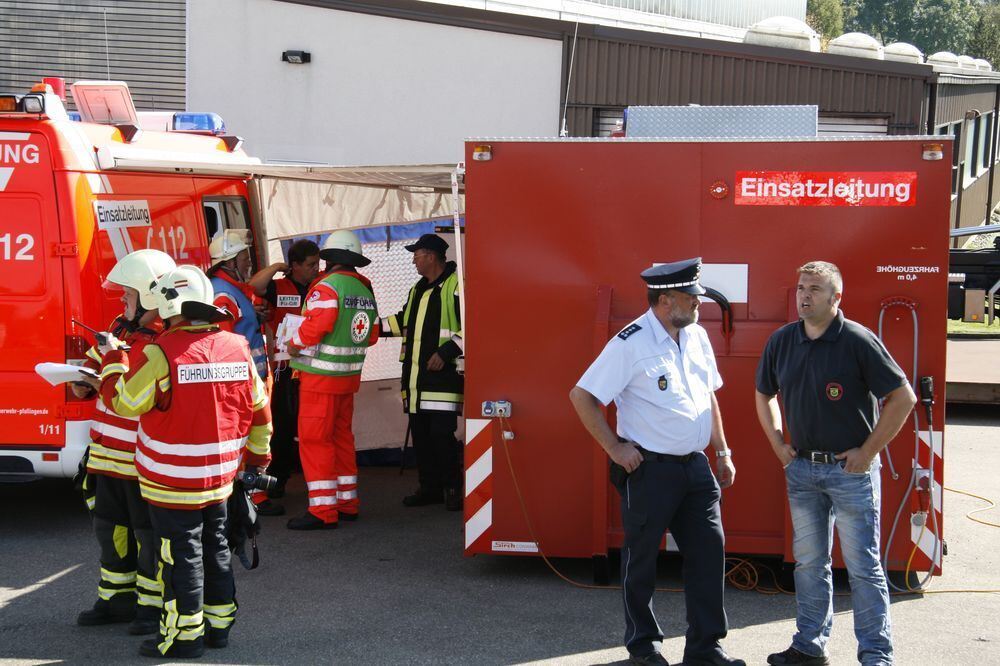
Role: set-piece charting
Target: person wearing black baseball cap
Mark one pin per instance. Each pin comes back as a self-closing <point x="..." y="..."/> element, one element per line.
<point x="432" y="386"/>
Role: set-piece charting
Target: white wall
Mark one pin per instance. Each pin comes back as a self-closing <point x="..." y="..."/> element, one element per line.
<point x="378" y="90"/>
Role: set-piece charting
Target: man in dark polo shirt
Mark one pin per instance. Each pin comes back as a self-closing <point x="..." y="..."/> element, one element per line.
<point x="830" y="371"/>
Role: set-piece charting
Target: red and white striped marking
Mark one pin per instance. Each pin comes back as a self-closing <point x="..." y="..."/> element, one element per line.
<point x="478" y="485"/>
<point x="923" y="536"/>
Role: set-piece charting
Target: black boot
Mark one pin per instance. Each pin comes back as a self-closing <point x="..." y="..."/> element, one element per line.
<point x="310" y="522"/>
<point x="218" y="638"/>
<point x="177" y="650"/>
<point x="106" y="612"/>
<point x="423" y="497"/>
<point x="269" y="508"/>
<point x="147" y="621"/>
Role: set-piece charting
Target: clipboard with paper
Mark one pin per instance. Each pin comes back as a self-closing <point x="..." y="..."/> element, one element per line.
<point x="286" y="330"/>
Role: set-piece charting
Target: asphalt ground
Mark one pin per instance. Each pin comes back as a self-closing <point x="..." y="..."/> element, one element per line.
<point x="395" y="588"/>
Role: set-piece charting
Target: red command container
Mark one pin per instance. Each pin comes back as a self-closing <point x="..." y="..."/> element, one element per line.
<point x="557" y="233"/>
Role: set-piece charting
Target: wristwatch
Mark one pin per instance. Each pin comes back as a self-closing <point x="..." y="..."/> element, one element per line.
<point x="724" y="453"/>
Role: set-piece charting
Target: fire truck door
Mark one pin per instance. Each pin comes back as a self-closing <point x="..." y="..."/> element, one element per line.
<point x="31" y="293"/>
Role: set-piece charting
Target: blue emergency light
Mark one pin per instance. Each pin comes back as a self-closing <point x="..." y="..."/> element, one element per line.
<point x="73" y="115"/>
<point x="199" y="122"/>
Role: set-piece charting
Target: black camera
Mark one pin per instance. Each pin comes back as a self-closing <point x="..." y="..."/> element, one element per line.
<point x="255" y="481"/>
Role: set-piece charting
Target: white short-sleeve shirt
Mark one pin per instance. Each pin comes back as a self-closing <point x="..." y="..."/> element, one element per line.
<point x="663" y="391"/>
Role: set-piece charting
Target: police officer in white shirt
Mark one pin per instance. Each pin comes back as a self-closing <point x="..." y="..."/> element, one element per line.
<point x="661" y="373"/>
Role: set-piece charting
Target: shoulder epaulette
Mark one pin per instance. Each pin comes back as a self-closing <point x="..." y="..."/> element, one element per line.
<point x="629" y="330"/>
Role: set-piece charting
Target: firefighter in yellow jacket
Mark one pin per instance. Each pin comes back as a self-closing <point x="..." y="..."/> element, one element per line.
<point x="203" y="414"/>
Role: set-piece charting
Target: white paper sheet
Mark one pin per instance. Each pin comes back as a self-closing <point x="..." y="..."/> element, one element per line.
<point x="60" y="373"/>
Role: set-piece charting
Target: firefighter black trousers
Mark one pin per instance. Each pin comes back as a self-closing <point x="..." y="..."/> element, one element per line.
<point x="439" y="454"/>
<point x="195" y="563"/>
<point x="285" y="419"/>
<point x="125" y="535"/>
<point x="684" y="498"/>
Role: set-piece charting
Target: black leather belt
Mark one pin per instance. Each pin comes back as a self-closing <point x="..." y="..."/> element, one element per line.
<point x="651" y="456"/>
<point x="818" y="457"/>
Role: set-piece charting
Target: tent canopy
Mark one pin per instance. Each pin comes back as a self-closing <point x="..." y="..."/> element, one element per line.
<point x="300" y="199"/>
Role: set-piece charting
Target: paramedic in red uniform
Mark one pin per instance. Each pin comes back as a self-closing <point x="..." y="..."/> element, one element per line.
<point x="128" y="590"/>
<point x="203" y="415"/>
<point x="660" y="371"/>
<point x="286" y="296"/>
<point x="329" y="350"/>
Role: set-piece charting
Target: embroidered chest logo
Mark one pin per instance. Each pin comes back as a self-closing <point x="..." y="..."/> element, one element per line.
<point x="834" y="391"/>
<point x="360" y="326"/>
<point x="661" y="383"/>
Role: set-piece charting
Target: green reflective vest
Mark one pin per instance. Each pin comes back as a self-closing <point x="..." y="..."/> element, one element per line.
<point x="342" y="351"/>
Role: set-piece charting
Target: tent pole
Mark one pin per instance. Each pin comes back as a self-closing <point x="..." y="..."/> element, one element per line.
<point x="459" y="173"/>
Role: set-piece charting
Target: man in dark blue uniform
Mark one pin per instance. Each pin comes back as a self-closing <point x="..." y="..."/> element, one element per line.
<point x="661" y="373"/>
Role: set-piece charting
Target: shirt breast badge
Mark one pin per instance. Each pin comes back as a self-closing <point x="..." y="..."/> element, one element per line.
<point x="834" y="391"/>
<point x="661" y="383"/>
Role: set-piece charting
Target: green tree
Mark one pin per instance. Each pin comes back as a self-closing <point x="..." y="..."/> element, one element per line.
<point x="985" y="42"/>
<point x="826" y="17"/>
<point x="931" y="25"/>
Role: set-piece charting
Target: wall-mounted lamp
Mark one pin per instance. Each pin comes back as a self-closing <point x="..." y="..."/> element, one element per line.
<point x="296" y="57"/>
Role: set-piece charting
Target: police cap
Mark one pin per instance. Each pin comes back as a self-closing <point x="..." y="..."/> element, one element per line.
<point x="678" y="275"/>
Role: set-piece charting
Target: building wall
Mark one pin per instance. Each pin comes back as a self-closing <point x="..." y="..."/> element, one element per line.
<point x="378" y="90"/>
<point x="145" y="46"/>
<point x="615" y="73"/>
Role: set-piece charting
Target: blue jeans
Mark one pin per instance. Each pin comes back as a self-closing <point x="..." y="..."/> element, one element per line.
<point x="820" y="495"/>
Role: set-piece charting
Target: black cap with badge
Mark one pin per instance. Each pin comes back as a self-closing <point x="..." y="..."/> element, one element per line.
<point x="431" y="242"/>
<point x="678" y="275"/>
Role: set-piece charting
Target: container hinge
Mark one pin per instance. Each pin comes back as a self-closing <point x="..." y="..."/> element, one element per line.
<point x="65" y="249"/>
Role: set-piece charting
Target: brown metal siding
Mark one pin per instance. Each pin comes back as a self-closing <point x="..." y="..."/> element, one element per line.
<point x="146" y="45"/>
<point x="610" y="73"/>
<point x="974" y="201"/>
<point x="953" y="101"/>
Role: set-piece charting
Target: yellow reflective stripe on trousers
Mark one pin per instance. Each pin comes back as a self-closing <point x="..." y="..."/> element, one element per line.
<point x="418" y="326"/>
<point x="149" y="591"/>
<point x="116" y="577"/>
<point x="220" y="616"/>
<point x="120" y="538"/>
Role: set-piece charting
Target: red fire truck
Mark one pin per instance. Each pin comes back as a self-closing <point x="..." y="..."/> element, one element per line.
<point x="66" y="218"/>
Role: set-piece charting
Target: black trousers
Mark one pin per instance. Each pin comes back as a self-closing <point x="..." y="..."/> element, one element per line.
<point x="684" y="498"/>
<point x="285" y="419"/>
<point x="125" y="535"/>
<point x="439" y="454"/>
<point x="195" y="563"/>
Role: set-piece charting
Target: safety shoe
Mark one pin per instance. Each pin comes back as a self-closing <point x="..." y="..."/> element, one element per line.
<point x="423" y="497"/>
<point x="651" y="659"/>
<point x="177" y="650"/>
<point x="717" y="658"/>
<point x="793" y="656"/>
<point x="349" y="517"/>
<point x="310" y="522"/>
<point x="217" y="638"/>
<point x="269" y="508"/>
<point x="104" y="612"/>
<point x="147" y="621"/>
<point x="453" y="499"/>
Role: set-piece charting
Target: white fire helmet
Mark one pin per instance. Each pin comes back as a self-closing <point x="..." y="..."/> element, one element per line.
<point x="227" y="244"/>
<point x="139" y="270"/>
<point x="184" y="284"/>
<point x="343" y="247"/>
